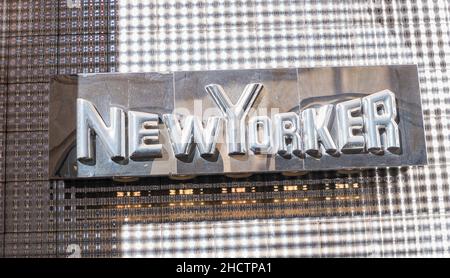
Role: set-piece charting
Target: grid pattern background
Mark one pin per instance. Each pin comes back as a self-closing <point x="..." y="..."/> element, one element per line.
<point x="386" y="212"/>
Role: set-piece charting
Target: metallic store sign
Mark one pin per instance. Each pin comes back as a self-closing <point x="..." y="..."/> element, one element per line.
<point x="376" y="129"/>
<point x="241" y="121"/>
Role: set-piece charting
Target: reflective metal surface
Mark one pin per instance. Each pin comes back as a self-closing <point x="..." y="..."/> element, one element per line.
<point x="130" y="92"/>
<point x="333" y="119"/>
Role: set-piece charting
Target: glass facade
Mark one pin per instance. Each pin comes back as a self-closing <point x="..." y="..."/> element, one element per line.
<point x="371" y="213"/>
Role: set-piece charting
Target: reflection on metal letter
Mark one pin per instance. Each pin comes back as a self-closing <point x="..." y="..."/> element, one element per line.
<point x="143" y="135"/>
<point x="350" y="125"/>
<point x="317" y="123"/>
<point x="235" y="113"/>
<point x="206" y="138"/>
<point x="256" y="124"/>
<point x="287" y="126"/>
<point x="380" y="113"/>
<point x="180" y="137"/>
<point x="89" y="121"/>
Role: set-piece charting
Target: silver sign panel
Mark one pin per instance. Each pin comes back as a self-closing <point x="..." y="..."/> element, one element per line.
<point x="237" y="121"/>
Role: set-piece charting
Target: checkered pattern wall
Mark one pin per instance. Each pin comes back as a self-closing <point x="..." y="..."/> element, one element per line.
<point x="384" y="212"/>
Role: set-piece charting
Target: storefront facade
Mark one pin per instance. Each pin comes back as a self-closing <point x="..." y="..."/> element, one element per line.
<point x="370" y="212"/>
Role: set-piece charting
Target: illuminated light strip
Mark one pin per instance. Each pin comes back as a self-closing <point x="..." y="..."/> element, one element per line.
<point x="431" y="221"/>
<point x="440" y="192"/>
<point x="391" y="207"/>
<point x="413" y="177"/>
<point x="380" y="214"/>
<point x="274" y="237"/>
<point x="251" y="60"/>
<point x="427" y="169"/>
<point x="328" y="10"/>
<point x="439" y="182"/>
<point x="401" y="187"/>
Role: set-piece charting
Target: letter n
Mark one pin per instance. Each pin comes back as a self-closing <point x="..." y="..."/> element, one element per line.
<point x="91" y="124"/>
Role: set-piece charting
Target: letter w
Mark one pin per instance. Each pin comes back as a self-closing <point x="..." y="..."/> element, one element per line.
<point x="192" y="128"/>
